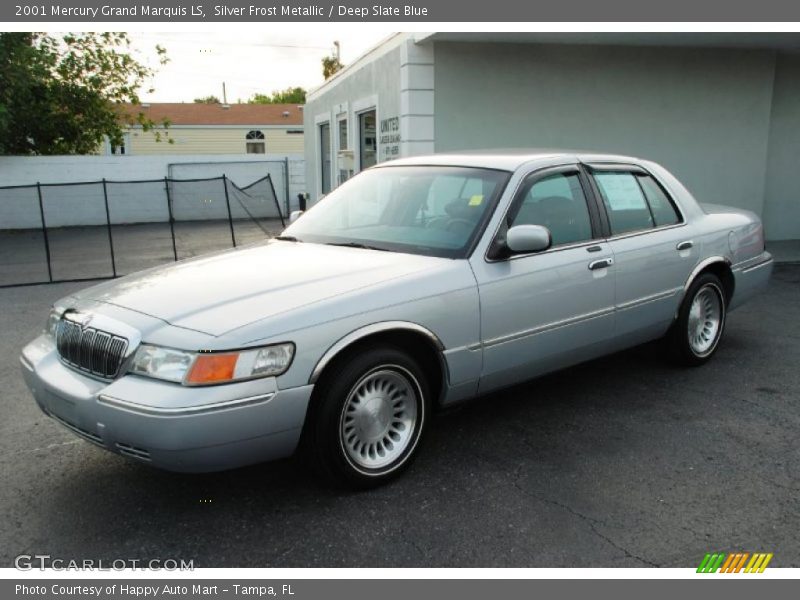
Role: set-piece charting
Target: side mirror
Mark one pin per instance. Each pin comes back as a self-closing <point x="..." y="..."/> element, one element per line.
<point x="294" y="215"/>
<point x="522" y="239"/>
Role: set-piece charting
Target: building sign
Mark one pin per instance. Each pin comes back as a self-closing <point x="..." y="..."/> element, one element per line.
<point x="390" y="138"/>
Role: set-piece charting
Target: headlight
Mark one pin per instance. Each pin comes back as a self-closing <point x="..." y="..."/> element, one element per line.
<point x="52" y="322"/>
<point x="204" y="368"/>
<point x="162" y="363"/>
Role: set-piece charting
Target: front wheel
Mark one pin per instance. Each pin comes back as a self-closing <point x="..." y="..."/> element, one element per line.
<point x="695" y="335"/>
<point x="368" y="417"/>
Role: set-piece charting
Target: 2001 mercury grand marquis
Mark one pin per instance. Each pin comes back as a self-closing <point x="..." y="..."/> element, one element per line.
<point x="417" y="284"/>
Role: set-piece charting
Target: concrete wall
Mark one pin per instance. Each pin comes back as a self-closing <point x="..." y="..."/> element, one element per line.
<point x="376" y="83"/>
<point x="84" y="205"/>
<point x="216" y="140"/>
<point x="702" y="113"/>
<point x="726" y="121"/>
<point x="782" y="191"/>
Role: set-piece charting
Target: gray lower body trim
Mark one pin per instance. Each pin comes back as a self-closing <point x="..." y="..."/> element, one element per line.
<point x="759" y="265"/>
<point x="664" y="295"/>
<point x="183" y="410"/>
<point x="548" y="327"/>
<point x="647" y="299"/>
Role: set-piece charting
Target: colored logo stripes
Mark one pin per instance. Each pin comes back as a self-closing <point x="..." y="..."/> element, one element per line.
<point x="735" y="563"/>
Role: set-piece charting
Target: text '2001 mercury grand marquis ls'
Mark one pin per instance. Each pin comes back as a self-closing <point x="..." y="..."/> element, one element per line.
<point x="417" y="284"/>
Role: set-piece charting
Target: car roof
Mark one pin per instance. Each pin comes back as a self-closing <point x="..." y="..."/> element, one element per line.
<point x="510" y="159"/>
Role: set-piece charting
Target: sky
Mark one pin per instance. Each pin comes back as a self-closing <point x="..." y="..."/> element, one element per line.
<point x="247" y="61"/>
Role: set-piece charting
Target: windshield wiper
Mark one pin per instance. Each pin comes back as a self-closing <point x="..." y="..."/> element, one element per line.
<point x="356" y="245"/>
<point x="286" y="238"/>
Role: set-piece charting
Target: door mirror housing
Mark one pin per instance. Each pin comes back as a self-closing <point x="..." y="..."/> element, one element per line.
<point x="523" y="239"/>
<point x="294" y="215"/>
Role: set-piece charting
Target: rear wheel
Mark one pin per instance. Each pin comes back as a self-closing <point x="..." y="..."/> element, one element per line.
<point x="695" y="335"/>
<point x="368" y="417"/>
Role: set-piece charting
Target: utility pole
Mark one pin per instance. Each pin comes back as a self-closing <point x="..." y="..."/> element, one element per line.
<point x="337" y="50"/>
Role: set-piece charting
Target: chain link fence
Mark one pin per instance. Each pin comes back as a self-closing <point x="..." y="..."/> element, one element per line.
<point x="54" y="233"/>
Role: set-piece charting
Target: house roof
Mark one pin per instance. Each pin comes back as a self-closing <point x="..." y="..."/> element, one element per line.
<point x="179" y="113"/>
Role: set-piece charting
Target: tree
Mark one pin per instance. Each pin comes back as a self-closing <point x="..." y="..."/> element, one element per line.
<point x="207" y="100"/>
<point x="331" y="65"/>
<point x="63" y="95"/>
<point x="291" y="95"/>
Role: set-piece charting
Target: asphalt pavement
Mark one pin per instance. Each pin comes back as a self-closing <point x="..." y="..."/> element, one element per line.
<point x="625" y="461"/>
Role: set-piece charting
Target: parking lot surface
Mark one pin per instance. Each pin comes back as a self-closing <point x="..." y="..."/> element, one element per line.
<point x="621" y="462"/>
<point x="85" y="252"/>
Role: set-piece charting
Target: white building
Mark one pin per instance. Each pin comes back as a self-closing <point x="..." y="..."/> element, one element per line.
<point x="720" y="110"/>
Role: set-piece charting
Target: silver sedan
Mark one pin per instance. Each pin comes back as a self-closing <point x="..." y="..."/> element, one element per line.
<point x="417" y="284"/>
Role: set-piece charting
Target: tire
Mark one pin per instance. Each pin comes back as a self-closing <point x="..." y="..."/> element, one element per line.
<point x="367" y="417"/>
<point x="694" y="337"/>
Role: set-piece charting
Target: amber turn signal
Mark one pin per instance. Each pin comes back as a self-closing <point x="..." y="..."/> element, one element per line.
<point x="212" y="368"/>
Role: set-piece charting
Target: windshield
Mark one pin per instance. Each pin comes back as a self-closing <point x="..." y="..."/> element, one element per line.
<point x="436" y="211"/>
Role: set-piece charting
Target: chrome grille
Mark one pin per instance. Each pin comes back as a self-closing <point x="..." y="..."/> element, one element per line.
<point x="91" y="350"/>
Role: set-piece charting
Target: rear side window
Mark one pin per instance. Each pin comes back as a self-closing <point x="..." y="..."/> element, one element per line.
<point x="635" y="201"/>
<point x="625" y="202"/>
<point x="663" y="210"/>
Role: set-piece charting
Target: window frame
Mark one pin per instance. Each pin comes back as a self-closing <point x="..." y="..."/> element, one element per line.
<point x="126" y="145"/>
<point x="354" y="109"/>
<point x="255" y="136"/>
<point x="358" y="119"/>
<point x="521" y="192"/>
<point x="321" y="155"/>
<point x="633" y="169"/>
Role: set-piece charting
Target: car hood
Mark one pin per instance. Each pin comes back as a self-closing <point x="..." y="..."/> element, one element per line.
<point x="217" y="293"/>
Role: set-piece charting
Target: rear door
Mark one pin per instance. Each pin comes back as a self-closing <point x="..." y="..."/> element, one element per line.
<point x="549" y="309"/>
<point x="652" y="245"/>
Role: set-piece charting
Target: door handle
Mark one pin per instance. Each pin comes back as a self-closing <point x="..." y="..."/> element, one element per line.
<point x="600" y="264"/>
<point x="684" y="245"/>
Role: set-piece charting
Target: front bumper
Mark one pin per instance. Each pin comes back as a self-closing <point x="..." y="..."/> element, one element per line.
<point x="750" y="277"/>
<point x="173" y="427"/>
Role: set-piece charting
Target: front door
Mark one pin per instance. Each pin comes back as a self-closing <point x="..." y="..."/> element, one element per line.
<point x="547" y="310"/>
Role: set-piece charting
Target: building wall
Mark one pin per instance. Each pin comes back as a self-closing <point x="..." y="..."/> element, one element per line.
<point x="782" y="207"/>
<point x="215" y="140"/>
<point x="375" y="83"/>
<point x="702" y="113"/>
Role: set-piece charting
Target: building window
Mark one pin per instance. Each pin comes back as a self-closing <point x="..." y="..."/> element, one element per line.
<point x="343" y="134"/>
<point x="368" y="140"/>
<point x="325" y="156"/>
<point x="119" y="149"/>
<point x="345" y="157"/>
<point x="254" y="141"/>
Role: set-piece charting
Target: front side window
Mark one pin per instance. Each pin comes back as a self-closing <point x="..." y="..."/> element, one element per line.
<point x="429" y="210"/>
<point x="255" y="142"/>
<point x="558" y="203"/>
